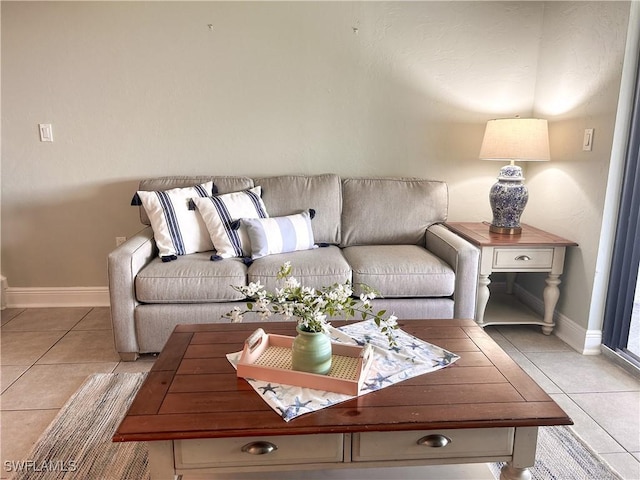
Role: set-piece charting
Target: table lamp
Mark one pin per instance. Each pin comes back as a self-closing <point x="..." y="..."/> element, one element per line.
<point x="513" y="139"/>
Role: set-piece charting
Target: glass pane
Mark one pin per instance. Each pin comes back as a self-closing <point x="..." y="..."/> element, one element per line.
<point x="633" y="344"/>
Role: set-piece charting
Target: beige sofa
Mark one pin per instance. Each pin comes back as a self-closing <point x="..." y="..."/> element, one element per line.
<point x="384" y="232"/>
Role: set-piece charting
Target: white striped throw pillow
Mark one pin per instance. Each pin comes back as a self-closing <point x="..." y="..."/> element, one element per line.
<point x="177" y="230"/>
<point x="279" y="234"/>
<point x="221" y="214"/>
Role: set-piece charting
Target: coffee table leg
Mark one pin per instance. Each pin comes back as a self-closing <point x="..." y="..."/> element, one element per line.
<point x="509" y="472"/>
<point x="161" y="466"/>
<point x="524" y="455"/>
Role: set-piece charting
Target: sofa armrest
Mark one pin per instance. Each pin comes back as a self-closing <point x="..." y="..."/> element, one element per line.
<point x="463" y="258"/>
<point x="124" y="263"/>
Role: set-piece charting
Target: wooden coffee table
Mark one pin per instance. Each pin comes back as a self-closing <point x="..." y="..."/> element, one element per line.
<point x="199" y="418"/>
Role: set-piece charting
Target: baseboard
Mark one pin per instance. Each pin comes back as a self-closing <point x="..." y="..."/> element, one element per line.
<point x="3" y="292"/>
<point x="584" y="341"/>
<point x="57" y="297"/>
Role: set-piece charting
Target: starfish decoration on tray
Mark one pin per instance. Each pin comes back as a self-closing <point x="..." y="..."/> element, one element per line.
<point x="269" y="388"/>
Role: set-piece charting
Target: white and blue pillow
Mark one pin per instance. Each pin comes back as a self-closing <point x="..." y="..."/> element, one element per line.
<point x="221" y="215"/>
<point x="274" y="235"/>
<point x="177" y="230"/>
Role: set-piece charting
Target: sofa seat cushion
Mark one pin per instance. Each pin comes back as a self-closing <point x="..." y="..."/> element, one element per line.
<point x="397" y="271"/>
<point x="192" y="278"/>
<point x="320" y="267"/>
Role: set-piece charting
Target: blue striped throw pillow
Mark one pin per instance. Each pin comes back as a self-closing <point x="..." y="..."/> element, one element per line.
<point x="279" y="234"/>
<point x="221" y="214"/>
<point x="177" y="230"/>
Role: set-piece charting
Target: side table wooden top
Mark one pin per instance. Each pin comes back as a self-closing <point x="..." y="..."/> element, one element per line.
<point x="478" y="234"/>
<point x="192" y="390"/>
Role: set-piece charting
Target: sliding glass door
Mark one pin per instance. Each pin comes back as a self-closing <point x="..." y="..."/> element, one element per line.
<point x="622" y="310"/>
<point x="633" y="343"/>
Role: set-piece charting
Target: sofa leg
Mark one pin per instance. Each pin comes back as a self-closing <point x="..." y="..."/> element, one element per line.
<point x="128" y="356"/>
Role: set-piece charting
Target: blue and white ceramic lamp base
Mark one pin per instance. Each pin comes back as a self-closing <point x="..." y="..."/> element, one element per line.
<point x="508" y="197"/>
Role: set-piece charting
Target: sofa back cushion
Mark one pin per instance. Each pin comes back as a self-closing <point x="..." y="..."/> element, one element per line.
<point x="222" y="184"/>
<point x="290" y="194"/>
<point x="391" y="211"/>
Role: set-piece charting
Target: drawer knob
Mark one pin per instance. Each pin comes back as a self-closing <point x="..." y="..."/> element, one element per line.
<point x="259" y="448"/>
<point x="523" y="258"/>
<point x="434" y="441"/>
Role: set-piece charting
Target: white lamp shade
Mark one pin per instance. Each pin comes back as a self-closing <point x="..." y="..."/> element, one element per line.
<point x="523" y="139"/>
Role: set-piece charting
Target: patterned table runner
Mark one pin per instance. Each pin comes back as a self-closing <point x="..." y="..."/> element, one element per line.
<point x="410" y="358"/>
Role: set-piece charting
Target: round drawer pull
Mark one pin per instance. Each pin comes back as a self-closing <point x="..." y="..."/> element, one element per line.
<point x="259" y="448"/>
<point x="434" y="441"/>
<point x="523" y="258"/>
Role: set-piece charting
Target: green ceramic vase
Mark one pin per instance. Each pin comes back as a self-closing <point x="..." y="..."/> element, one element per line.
<point x="311" y="352"/>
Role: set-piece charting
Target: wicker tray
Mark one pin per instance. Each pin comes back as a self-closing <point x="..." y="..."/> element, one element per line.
<point x="268" y="358"/>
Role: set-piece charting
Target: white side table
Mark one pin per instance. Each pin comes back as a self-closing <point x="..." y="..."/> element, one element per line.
<point x="534" y="250"/>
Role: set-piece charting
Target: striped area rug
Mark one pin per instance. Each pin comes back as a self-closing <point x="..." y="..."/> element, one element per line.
<point x="77" y="445"/>
<point x="560" y="455"/>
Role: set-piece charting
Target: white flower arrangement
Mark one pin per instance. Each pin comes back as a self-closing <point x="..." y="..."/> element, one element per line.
<point x="312" y="306"/>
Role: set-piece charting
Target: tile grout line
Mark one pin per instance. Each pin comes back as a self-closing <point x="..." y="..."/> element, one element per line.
<point x="611" y="437"/>
<point x="568" y="395"/>
<point x="35" y="362"/>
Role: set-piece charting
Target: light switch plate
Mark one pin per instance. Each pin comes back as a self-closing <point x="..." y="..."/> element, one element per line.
<point x="46" y="133"/>
<point x="587" y="142"/>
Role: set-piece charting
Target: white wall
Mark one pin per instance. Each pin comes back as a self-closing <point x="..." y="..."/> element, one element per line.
<point x="139" y="90"/>
<point x="578" y="83"/>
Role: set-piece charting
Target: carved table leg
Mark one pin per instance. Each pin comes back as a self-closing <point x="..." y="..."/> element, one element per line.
<point x="483" y="297"/>
<point x="550" y="295"/>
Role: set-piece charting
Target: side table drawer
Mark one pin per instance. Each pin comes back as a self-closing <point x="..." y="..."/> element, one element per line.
<point x="290" y="449"/>
<point x="463" y="443"/>
<point x="523" y="259"/>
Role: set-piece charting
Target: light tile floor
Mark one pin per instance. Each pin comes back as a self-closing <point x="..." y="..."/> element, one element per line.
<point x="47" y="354"/>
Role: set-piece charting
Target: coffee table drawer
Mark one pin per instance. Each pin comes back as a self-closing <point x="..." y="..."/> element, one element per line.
<point x="464" y="443"/>
<point x="276" y="450"/>
<point x="523" y="259"/>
